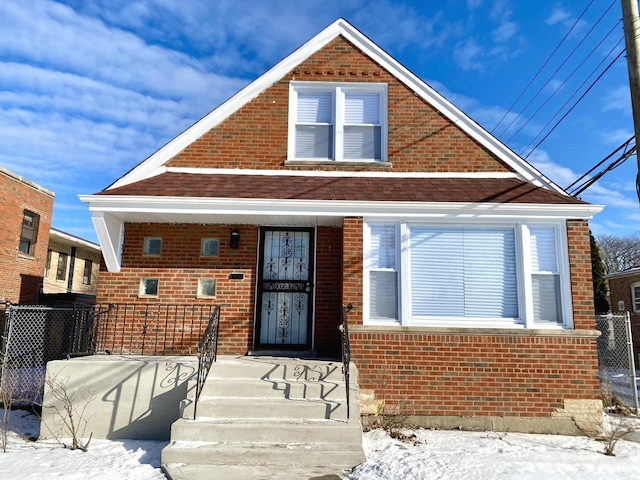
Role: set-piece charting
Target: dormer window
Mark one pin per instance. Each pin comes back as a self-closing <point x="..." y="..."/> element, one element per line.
<point x="338" y="121"/>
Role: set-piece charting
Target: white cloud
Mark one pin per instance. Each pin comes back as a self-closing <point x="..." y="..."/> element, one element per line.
<point x="505" y="31"/>
<point x="616" y="137"/>
<point x="558" y="15"/>
<point x="617" y="99"/>
<point x="469" y="55"/>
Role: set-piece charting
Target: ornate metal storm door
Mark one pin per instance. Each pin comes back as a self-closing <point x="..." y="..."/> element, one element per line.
<point x="285" y="289"/>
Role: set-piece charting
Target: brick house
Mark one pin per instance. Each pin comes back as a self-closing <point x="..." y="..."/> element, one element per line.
<point x="340" y="177"/>
<point x="624" y="294"/>
<point x="24" y="234"/>
<point x="72" y="267"/>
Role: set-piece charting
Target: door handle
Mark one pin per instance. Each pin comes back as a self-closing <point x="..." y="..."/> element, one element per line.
<point x="307" y="287"/>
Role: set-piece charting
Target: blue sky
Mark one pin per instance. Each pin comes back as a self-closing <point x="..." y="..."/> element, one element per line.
<point x="90" y="88"/>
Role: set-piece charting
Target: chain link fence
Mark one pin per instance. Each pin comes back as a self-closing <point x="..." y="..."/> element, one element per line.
<point x="615" y="360"/>
<point x="33" y="335"/>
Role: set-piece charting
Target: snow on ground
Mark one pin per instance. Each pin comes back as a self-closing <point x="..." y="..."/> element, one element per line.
<point x="104" y="460"/>
<point x="433" y="454"/>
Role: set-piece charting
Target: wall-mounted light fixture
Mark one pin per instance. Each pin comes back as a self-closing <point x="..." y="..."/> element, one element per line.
<point x="234" y="238"/>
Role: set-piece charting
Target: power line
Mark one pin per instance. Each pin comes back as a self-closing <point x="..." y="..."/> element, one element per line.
<point x="570" y="109"/>
<point x="557" y="69"/>
<point x="616" y="163"/>
<point x="624" y="146"/>
<point x="531" y="117"/>
<point x="542" y="67"/>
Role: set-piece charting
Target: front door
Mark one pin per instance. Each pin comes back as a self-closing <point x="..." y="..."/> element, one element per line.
<point x="284" y="317"/>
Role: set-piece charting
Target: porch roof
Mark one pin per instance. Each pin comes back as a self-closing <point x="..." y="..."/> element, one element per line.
<point x="344" y="188"/>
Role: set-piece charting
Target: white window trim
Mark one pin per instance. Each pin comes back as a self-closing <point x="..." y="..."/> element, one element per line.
<point x="633" y="297"/>
<point x="523" y="272"/>
<point x="337" y="89"/>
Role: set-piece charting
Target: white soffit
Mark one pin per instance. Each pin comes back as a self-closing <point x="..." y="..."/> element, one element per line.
<point x="150" y="166"/>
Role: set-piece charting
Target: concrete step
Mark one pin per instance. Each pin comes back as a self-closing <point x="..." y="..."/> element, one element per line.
<point x="246" y="387"/>
<point x="338" y="457"/>
<point x="256" y="407"/>
<point x="250" y="472"/>
<point x="267" y="431"/>
<point x="277" y="368"/>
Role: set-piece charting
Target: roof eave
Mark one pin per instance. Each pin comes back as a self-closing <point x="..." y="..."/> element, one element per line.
<point x="122" y="204"/>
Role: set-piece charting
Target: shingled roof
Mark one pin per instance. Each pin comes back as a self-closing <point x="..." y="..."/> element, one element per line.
<point x="347" y="188"/>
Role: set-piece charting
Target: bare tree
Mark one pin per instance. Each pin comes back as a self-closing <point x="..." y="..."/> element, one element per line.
<point x="619" y="253"/>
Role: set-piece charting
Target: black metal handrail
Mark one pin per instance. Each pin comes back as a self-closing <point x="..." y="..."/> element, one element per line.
<point x="207" y="353"/>
<point x="346" y="349"/>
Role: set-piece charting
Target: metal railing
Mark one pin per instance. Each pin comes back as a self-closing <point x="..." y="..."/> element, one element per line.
<point x="150" y="329"/>
<point x="207" y="353"/>
<point x="346" y="349"/>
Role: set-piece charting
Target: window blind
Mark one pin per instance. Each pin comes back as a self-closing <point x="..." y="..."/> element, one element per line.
<point x="463" y="272"/>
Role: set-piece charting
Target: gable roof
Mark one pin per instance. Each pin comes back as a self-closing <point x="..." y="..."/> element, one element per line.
<point x="153" y="165"/>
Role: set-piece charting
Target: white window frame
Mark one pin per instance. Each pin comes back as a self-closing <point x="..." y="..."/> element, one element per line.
<point x="523" y="272"/>
<point x="635" y="300"/>
<point x="338" y="90"/>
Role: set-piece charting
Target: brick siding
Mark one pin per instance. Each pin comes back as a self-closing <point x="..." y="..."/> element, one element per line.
<point x="21" y="274"/>
<point x="180" y="265"/>
<point x="420" y="138"/>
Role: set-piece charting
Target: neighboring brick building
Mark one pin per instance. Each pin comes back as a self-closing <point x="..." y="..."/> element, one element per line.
<point x="73" y="265"/>
<point x="25" y="218"/>
<point x="340" y="177"/>
<point x="624" y="295"/>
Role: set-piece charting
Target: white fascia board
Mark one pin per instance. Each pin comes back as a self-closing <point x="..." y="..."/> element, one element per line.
<point x="151" y="165"/>
<point x="72" y="239"/>
<point x="110" y="235"/>
<point x="262" y="206"/>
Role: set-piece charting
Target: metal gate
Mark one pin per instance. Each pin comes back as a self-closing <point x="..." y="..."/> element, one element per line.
<point x="615" y="359"/>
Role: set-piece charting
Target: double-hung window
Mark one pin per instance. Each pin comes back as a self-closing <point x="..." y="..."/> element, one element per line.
<point x="477" y="275"/>
<point x="29" y="232"/>
<point x="337" y="121"/>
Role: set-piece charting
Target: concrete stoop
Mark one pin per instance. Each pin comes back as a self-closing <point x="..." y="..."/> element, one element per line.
<point x="268" y="417"/>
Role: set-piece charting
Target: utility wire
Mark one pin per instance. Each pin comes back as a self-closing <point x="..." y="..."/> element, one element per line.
<point x="586" y="174"/>
<point x="557" y="69"/>
<point x="559" y="87"/>
<point x="570" y="109"/>
<point x="616" y="163"/>
<point x="542" y="67"/>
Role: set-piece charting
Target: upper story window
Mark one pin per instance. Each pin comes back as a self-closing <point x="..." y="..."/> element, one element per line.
<point x="152" y="246"/>
<point x="29" y="232"/>
<point x="338" y="121"/>
<point x="86" y="275"/>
